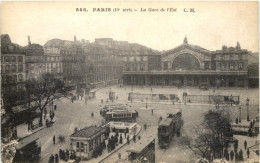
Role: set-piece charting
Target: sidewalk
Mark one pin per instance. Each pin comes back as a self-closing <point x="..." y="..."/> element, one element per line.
<point x="23" y="132"/>
<point x="105" y="153"/>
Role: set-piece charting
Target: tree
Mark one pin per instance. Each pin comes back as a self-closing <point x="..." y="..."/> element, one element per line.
<point x="45" y="90"/>
<point x="209" y="140"/>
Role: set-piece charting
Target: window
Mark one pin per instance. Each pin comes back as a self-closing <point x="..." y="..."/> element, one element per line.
<point x="81" y="147"/>
<point x="13" y="59"/>
<point x="14" y="78"/>
<point x="206" y="66"/>
<point x="6" y="59"/>
<point x="240" y="66"/>
<point x="13" y="69"/>
<point x="142" y="67"/>
<point x="20" y="59"/>
<point x="7" y="68"/>
<point x="90" y="145"/>
<point x="222" y="66"/>
<point x="231" y="66"/>
<point x="77" y="147"/>
<point x="165" y="66"/>
<point x="20" y="68"/>
<point x="20" y="77"/>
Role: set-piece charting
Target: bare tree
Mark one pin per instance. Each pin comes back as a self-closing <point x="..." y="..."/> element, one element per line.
<point x="210" y="140"/>
<point x="45" y="90"/>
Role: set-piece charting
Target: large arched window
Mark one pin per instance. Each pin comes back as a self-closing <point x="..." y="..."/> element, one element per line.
<point x="185" y="62"/>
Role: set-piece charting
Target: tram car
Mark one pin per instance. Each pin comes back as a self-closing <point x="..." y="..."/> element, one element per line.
<point x="111" y="107"/>
<point x="169" y="127"/>
<point x="121" y="116"/>
<point x="118" y="113"/>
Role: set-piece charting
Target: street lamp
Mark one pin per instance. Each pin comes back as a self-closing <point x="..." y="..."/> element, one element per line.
<point x="247" y="105"/>
<point x="240" y="114"/>
<point x="146" y="103"/>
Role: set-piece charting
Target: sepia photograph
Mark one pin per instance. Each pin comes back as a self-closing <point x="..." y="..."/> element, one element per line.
<point x="130" y="82"/>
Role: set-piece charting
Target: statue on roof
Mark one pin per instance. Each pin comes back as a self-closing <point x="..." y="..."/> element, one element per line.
<point x="238" y="46"/>
<point x="29" y="40"/>
<point x="75" y="38"/>
<point x="185" y="41"/>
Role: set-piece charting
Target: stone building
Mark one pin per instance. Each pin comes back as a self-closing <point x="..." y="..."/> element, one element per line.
<point x="12" y="66"/>
<point x="35" y="60"/>
<point x="53" y="58"/>
<point x="103" y="72"/>
<point x="12" y="85"/>
<point x="189" y="65"/>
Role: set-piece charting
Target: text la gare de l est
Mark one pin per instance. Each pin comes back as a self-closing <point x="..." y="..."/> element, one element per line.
<point x="192" y="10"/>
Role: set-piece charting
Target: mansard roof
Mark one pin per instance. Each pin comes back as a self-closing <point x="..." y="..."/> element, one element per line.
<point x="34" y="49"/>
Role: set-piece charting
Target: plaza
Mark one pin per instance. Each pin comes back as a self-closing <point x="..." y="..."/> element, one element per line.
<point x="78" y="115"/>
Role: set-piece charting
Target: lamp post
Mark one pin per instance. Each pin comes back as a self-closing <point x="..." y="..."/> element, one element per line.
<point x="146" y="104"/>
<point x="240" y="114"/>
<point x="247" y="106"/>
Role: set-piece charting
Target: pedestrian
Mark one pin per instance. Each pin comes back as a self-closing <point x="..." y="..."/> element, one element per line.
<point x="240" y="156"/>
<point x="134" y="138"/>
<point x="232" y="155"/>
<point x="236" y="157"/>
<point x="52" y="116"/>
<point x="52" y="159"/>
<point x="60" y="153"/>
<point x="55" y="107"/>
<point x="67" y="154"/>
<point x="56" y="158"/>
<point x="92" y="114"/>
<point x="121" y="139"/>
<point x="152" y="111"/>
<point x="53" y="139"/>
<point x="248" y="153"/>
<point x="245" y="144"/>
<point x="128" y="139"/>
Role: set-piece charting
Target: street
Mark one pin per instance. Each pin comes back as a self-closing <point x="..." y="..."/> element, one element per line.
<point x="78" y="114"/>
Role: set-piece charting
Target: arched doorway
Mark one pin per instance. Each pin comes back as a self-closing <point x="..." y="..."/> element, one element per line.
<point x="185" y="62"/>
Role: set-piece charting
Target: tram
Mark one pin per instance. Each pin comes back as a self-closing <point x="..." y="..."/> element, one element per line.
<point x="169" y="127"/>
<point x="118" y="113"/>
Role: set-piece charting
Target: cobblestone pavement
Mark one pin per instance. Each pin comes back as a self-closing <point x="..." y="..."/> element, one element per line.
<point x="78" y="114"/>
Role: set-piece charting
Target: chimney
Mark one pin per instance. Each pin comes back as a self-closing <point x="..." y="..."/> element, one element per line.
<point x="238" y="46"/>
<point x="29" y="40"/>
<point x="75" y="39"/>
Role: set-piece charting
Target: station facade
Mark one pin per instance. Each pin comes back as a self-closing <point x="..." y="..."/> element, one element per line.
<point x="189" y="65"/>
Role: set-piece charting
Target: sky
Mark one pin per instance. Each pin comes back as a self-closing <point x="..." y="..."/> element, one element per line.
<point x="212" y="25"/>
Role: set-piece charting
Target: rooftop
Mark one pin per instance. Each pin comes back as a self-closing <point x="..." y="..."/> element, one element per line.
<point x="165" y="122"/>
<point x="140" y="144"/>
<point x="88" y="132"/>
